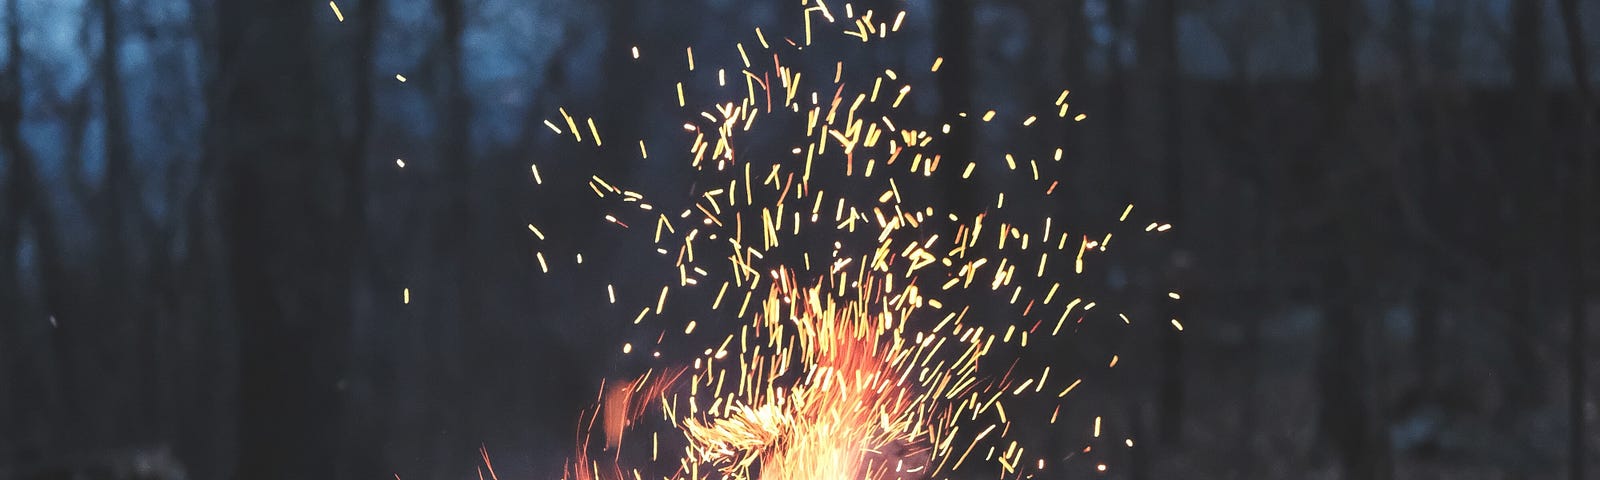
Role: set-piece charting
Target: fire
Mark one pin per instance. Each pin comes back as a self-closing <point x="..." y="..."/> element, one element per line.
<point x="835" y="389"/>
<point x="852" y="409"/>
<point x="860" y="359"/>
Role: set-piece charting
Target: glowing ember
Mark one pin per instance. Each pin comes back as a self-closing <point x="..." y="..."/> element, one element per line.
<point x="862" y="360"/>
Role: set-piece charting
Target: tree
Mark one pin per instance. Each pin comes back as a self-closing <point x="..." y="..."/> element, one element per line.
<point x="1526" y="386"/>
<point x="286" y="248"/>
<point x="1582" y="198"/>
<point x="1160" y="47"/>
<point x="955" y="80"/>
<point x="27" y="207"/>
<point x="118" y="195"/>
<point x="1352" y="411"/>
<point x="457" y="234"/>
<point x="17" y="196"/>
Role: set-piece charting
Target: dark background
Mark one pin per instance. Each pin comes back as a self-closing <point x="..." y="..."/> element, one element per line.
<point x="1383" y="209"/>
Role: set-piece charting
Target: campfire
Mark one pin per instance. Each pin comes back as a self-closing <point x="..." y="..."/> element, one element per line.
<point x="872" y="330"/>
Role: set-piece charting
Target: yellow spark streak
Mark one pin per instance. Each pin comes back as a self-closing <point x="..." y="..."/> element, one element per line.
<point x="594" y="131"/>
<point x="823" y="380"/>
<point x="1077" y="266"/>
<point x="1069" y="388"/>
<point x="405" y="296"/>
<point x="572" y="126"/>
<point x="336" y="12"/>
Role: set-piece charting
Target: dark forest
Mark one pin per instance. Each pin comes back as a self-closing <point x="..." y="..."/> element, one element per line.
<point x="258" y="240"/>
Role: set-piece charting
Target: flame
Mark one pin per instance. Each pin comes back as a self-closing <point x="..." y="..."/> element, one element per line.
<point x="836" y="376"/>
<point x="837" y="395"/>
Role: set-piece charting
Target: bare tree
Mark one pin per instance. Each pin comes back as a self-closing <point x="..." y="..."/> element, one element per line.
<point x="287" y="252"/>
<point x="11" y="223"/>
<point x="1526" y="386"/>
<point x="1161" y="47"/>
<point x="28" y="210"/>
<point x="955" y="81"/>
<point x="1352" y="410"/>
<point x="1582" y="197"/>
<point x="15" y="199"/>
<point x="118" y="189"/>
<point x="458" y="232"/>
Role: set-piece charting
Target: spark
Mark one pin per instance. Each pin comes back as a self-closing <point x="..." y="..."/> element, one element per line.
<point x="827" y="369"/>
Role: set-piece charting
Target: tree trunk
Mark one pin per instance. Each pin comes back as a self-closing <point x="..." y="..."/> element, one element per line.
<point x="458" y="236"/>
<point x="1578" y="243"/>
<point x="119" y="204"/>
<point x="1353" y="407"/>
<point x="1116" y="89"/>
<point x="287" y="253"/>
<point x="362" y="430"/>
<point x="25" y="197"/>
<point x="955" y="82"/>
<point x="1525" y="387"/>
<point x="16" y="197"/>
<point x="1162" y="46"/>
<point x="119" y="197"/>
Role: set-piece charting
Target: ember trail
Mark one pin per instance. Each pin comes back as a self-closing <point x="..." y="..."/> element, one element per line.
<point x="870" y="310"/>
